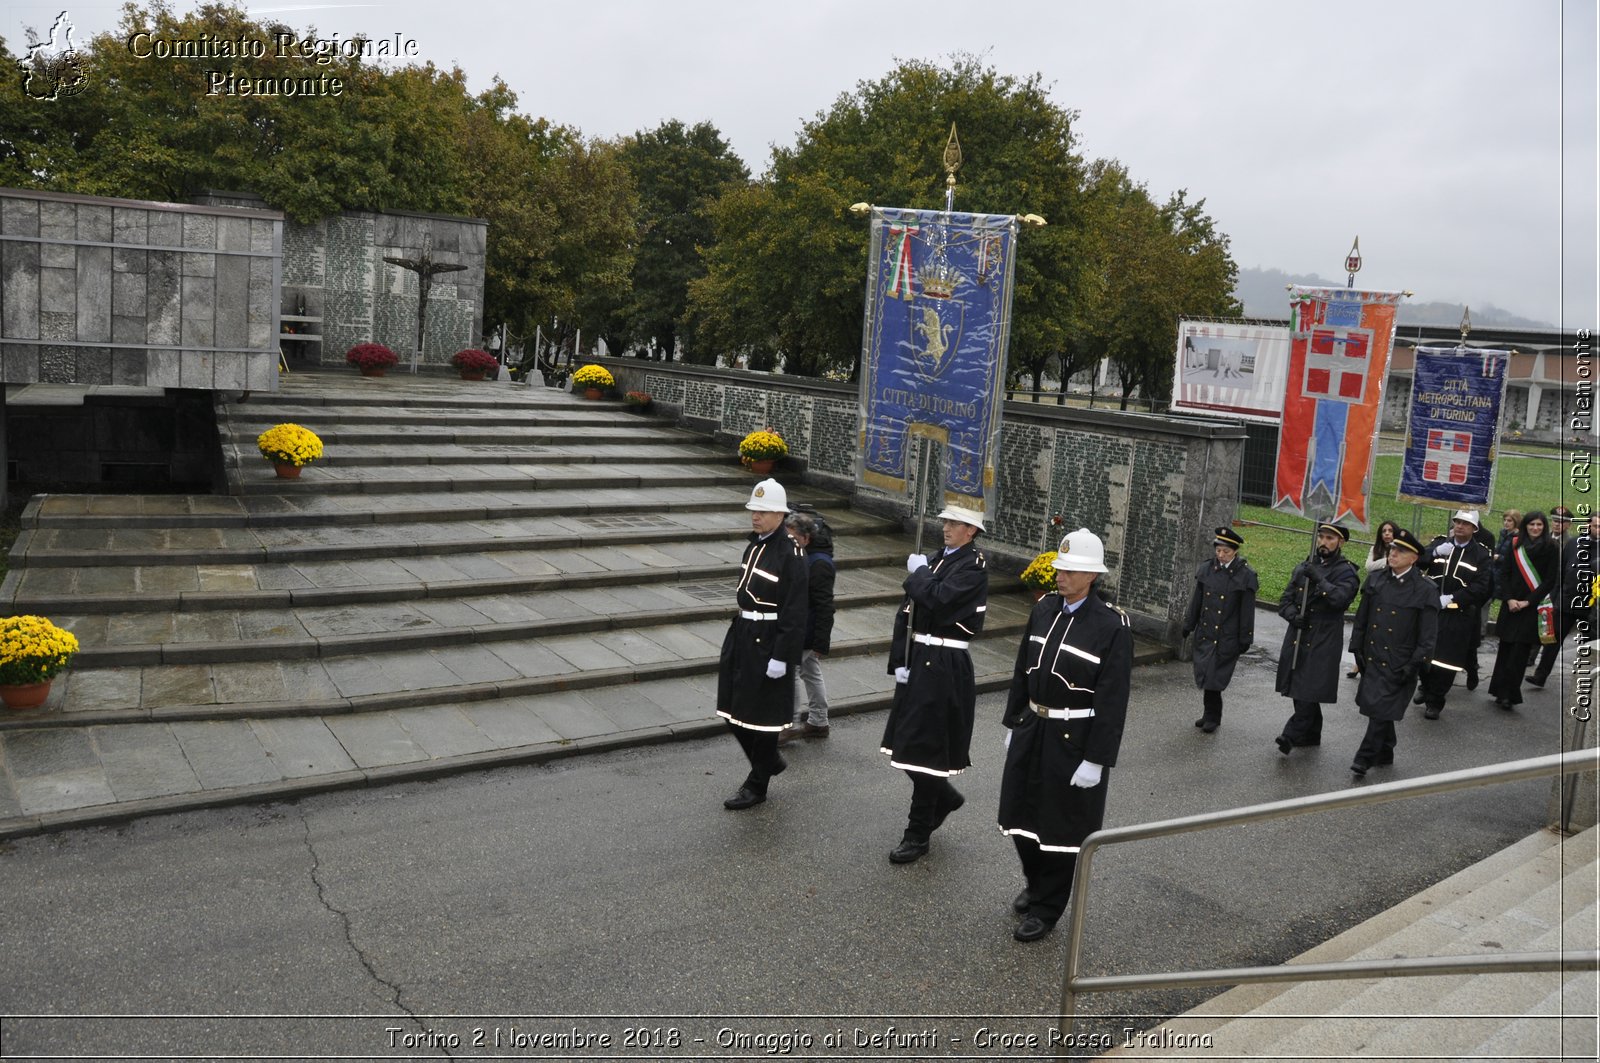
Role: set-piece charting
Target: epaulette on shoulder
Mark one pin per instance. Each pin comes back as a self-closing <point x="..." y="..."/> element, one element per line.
<point x="1118" y="610"/>
<point x="983" y="562"/>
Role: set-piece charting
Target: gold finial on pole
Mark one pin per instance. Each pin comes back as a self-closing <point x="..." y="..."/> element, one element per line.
<point x="1466" y="323"/>
<point x="952" y="163"/>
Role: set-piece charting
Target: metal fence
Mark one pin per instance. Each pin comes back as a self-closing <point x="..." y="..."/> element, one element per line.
<point x="1074" y="984"/>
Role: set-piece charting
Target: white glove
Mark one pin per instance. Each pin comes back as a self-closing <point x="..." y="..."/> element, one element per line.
<point x="776" y="669"/>
<point x="1445" y="600"/>
<point x="902" y="675"/>
<point x="1087" y="775"/>
<point x="1442" y="550"/>
<point x="1008" y="738"/>
<point x="916" y="561"/>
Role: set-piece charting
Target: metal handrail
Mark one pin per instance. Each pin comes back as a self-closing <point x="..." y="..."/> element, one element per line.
<point x="1073" y="984"/>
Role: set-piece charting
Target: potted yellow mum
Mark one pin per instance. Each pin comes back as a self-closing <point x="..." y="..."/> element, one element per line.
<point x="33" y="651"/>
<point x="290" y="448"/>
<point x="1040" y="576"/>
<point x="594" y="380"/>
<point x="759" y="450"/>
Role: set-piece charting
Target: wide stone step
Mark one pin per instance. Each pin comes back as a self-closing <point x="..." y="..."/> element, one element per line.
<point x="300" y="633"/>
<point x="340" y="433"/>
<point x="415" y="451"/>
<point x="385" y="678"/>
<point x="97" y="547"/>
<point x="240" y="418"/>
<point x="279" y="510"/>
<point x="196" y="587"/>
<point x="258" y="477"/>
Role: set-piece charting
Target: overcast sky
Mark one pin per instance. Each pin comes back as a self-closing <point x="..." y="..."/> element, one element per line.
<point x="1456" y="137"/>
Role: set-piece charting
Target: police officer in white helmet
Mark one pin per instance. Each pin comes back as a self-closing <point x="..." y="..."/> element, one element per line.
<point x="1069" y="696"/>
<point x="755" y="682"/>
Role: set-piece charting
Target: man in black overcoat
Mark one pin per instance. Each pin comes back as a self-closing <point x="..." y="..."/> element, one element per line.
<point x="929" y="733"/>
<point x="1463" y="571"/>
<point x="1396" y="625"/>
<point x="1068" y="703"/>
<point x="1222" y="618"/>
<point x="755" y="682"/>
<point x="1319" y="590"/>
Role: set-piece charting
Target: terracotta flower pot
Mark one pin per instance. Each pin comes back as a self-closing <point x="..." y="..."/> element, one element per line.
<point x="472" y="374"/>
<point x="286" y="471"/>
<point x="592" y="393"/>
<point x="25" y="695"/>
<point x="763" y="466"/>
<point x="374" y="370"/>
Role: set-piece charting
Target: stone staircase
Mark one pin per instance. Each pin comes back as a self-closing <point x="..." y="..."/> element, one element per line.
<point x="475" y="574"/>
<point x="1538" y="895"/>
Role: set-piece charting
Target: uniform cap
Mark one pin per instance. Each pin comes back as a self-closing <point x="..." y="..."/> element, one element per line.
<point x="1335" y="529"/>
<point x="1229" y="538"/>
<point x="964" y="515"/>
<point x="1081" y="551"/>
<point x="768" y="497"/>
<point x="1406" y="540"/>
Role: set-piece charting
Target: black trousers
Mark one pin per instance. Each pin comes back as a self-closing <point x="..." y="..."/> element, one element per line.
<point x="1212" y="702"/>
<point x="1305" y="726"/>
<point x="932" y="797"/>
<point x="1049" y="878"/>
<point x="1435" y="682"/>
<point x="761" y="750"/>
<point x="1510" y="662"/>
<point x="1377" y="745"/>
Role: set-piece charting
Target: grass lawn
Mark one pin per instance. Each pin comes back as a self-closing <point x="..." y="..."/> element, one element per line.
<point x="1522" y="482"/>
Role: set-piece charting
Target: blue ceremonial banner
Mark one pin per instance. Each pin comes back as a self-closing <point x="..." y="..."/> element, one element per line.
<point x="1456" y="395"/>
<point x="934" y="345"/>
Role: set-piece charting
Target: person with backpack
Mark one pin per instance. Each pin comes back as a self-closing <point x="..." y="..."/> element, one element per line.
<point x="812" y="535"/>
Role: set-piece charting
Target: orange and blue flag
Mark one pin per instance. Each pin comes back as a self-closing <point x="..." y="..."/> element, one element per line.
<point x="1338" y="359"/>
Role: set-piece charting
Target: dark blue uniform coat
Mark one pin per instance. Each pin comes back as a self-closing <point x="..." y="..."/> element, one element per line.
<point x="772" y="580"/>
<point x="1083" y="661"/>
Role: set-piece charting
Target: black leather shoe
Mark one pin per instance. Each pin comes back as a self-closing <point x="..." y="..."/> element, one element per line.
<point x="1384" y="761"/>
<point x="1359" y="767"/>
<point x="1419" y="699"/>
<point x="1502" y="703"/>
<point x="1032" y="928"/>
<point x="1534" y="680"/>
<point x="1432" y="712"/>
<point x="1207" y="726"/>
<point x="745" y="798"/>
<point x="1284" y="745"/>
<point x="944" y="811"/>
<point x="908" y="852"/>
<point x="1021" y="902"/>
<point x="1472" y="682"/>
<point x="1201" y="722"/>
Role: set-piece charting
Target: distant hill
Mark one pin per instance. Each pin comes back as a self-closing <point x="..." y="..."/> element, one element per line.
<point x="1261" y="292"/>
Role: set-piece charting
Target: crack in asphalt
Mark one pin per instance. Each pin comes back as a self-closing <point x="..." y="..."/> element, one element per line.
<point x="349" y="937"/>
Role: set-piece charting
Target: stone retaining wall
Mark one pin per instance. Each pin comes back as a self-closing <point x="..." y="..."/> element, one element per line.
<point x="118" y="291"/>
<point x="1151" y="487"/>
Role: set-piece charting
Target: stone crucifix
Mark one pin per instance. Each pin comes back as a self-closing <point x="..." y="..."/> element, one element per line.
<point x="425" y="268"/>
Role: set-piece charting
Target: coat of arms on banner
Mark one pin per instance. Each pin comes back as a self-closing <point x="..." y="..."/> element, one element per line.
<point x="934" y="344"/>
<point x="1452" y="425"/>
<point x="1338" y="359"/>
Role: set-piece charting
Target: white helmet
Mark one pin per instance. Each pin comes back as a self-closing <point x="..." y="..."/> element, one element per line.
<point x="768" y="497"/>
<point x="1081" y="551"/>
<point x="965" y="516"/>
<point x="1468" y="515"/>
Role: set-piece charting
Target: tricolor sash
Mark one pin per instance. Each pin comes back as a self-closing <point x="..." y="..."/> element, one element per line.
<point x="1530" y="575"/>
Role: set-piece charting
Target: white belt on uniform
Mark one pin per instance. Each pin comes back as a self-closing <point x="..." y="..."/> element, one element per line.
<point x="757" y="616"/>
<point x="935" y="640"/>
<point x="1059" y="714"/>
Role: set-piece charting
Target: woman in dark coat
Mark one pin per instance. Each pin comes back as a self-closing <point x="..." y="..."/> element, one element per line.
<point x="1528" y="572"/>
<point x="1222" y="618"/>
<point x="1396" y="625"/>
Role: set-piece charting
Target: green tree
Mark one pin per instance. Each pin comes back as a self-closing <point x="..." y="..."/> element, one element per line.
<point x="679" y="172"/>
<point x="787" y="269"/>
